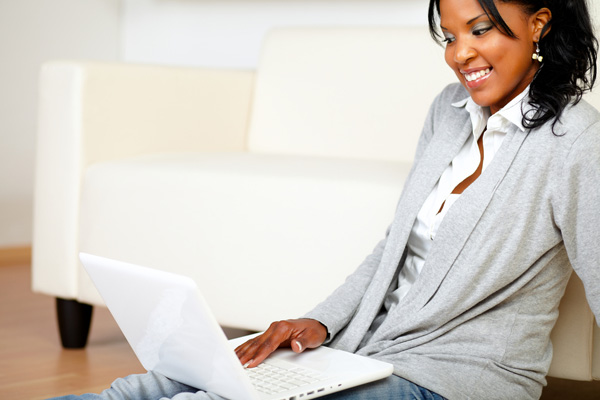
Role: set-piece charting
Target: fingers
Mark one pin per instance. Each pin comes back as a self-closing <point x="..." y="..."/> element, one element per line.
<point x="297" y="346"/>
<point x="297" y="334"/>
<point x="254" y="351"/>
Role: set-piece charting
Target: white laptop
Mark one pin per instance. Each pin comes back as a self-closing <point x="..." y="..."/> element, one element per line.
<point x="172" y="331"/>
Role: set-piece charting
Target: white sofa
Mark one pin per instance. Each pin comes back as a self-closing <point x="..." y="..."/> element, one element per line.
<point x="268" y="187"/>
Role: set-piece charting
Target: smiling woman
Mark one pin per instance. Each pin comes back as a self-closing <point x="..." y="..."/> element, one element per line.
<point x="500" y="207"/>
<point x="517" y="36"/>
<point x="493" y="66"/>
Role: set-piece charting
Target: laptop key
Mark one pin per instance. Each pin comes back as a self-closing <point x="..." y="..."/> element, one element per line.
<point x="273" y="379"/>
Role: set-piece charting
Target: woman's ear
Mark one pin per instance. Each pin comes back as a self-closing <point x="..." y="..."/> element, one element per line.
<point x="540" y="20"/>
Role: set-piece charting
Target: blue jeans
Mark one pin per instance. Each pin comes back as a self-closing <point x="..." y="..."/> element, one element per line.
<point x="153" y="386"/>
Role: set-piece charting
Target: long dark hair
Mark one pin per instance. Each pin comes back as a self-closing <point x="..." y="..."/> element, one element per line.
<point x="569" y="49"/>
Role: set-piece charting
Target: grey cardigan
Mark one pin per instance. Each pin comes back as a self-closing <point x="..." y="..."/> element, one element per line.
<point x="477" y="322"/>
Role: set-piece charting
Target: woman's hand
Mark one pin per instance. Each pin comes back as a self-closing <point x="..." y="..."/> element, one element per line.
<point x="299" y="334"/>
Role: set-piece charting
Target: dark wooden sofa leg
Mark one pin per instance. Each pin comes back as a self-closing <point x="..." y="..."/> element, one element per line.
<point x="74" y="319"/>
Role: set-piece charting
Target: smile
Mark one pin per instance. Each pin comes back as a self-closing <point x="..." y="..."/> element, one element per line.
<point x="477" y="75"/>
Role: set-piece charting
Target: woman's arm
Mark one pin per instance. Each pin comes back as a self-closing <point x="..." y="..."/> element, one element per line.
<point x="328" y="318"/>
<point x="578" y="211"/>
<point x="339" y="308"/>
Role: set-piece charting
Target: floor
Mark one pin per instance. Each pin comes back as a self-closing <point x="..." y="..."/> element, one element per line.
<point x="33" y="366"/>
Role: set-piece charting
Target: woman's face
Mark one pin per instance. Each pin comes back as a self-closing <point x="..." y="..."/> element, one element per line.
<point x="491" y="65"/>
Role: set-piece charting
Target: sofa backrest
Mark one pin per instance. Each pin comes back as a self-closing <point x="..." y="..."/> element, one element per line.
<point x="360" y="92"/>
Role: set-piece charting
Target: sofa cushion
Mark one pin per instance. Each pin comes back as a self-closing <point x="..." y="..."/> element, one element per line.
<point x="260" y="231"/>
<point x="348" y="92"/>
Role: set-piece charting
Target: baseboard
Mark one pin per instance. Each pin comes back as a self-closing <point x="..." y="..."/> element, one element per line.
<point x="15" y="256"/>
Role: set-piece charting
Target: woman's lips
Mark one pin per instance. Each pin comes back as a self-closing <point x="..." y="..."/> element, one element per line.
<point x="476" y="78"/>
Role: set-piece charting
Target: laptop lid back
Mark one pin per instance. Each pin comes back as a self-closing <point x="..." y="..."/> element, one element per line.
<point x="169" y="326"/>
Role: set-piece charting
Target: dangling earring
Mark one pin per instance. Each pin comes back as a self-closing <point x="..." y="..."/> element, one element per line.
<point x="536" y="55"/>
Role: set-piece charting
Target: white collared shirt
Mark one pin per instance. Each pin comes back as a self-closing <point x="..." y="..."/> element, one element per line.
<point x="462" y="166"/>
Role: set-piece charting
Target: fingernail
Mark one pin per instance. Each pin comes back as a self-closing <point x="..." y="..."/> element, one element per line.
<point x="299" y="345"/>
<point x="248" y="363"/>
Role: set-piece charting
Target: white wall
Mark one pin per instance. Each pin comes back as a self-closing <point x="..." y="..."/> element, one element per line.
<point x="228" y="33"/>
<point x="32" y="31"/>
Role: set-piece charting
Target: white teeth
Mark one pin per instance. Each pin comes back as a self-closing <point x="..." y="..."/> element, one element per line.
<point x="476" y="75"/>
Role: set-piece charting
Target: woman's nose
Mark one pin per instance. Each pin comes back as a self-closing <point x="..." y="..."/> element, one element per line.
<point x="464" y="52"/>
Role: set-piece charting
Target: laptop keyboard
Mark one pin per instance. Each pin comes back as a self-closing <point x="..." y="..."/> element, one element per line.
<point x="272" y="379"/>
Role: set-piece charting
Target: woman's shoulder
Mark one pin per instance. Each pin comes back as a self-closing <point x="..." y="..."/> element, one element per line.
<point x="579" y="119"/>
<point x="583" y="109"/>
<point x="574" y="139"/>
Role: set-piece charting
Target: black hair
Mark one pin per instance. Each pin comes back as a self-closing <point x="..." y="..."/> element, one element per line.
<point x="569" y="48"/>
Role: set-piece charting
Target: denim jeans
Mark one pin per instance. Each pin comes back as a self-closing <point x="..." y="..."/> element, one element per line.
<point x="153" y="386"/>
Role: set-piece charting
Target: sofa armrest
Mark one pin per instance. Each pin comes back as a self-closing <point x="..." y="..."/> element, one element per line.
<point x="575" y="336"/>
<point x="91" y="112"/>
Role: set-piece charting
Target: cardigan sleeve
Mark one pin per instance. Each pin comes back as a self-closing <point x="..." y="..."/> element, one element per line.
<point x="578" y="211"/>
<point x="339" y="308"/>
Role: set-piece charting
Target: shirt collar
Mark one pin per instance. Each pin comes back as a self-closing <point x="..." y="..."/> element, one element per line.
<point x="511" y="113"/>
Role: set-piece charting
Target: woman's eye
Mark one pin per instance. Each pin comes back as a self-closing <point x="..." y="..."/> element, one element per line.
<point x="449" y="39"/>
<point x="480" y="30"/>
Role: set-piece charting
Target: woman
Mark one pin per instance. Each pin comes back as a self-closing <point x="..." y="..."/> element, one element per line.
<point x="501" y="203"/>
